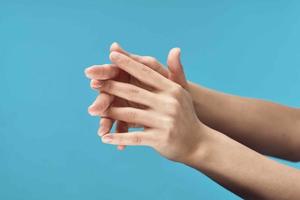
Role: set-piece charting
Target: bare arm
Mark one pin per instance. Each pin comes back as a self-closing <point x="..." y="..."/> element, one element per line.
<point x="266" y="127"/>
<point x="173" y="129"/>
<point x="244" y="171"/>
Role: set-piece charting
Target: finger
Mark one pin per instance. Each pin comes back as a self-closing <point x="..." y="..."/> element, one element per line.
<point x="175" y="68"/>
<point x="102" y="102"/>
<point x="95" y="84"/>
<point x="133" y="115"/>
<point x="128" y="92"/>
<point x="152" y="63"/>
<point x="102" y="72"/>
<point x="132" y="138"/>
<point x="121" y="127"/>
<point x="134" y="125"/>
<point x="140" y="71"/>
<point x="105" y="126"/>
<point x="146" y="60"/>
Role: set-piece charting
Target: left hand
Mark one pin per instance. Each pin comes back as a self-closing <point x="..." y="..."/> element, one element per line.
<point x="170" y="124"/>
<point x="97" y="73"/>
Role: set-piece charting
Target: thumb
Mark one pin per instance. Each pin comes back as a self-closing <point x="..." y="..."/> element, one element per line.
<point x="176" y="72"/>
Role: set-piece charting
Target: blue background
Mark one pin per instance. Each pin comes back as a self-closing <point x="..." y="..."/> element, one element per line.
<point x="49" y="148"/>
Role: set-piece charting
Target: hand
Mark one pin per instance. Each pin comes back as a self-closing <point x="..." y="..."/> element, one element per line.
<point x="110" y="71"/>
<point x="170" y="123"/>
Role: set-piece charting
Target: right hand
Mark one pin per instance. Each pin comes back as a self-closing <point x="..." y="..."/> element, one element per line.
<point x="98" y="73"/>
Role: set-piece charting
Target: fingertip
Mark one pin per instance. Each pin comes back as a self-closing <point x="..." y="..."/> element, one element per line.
<point x="107" y="138"/>
<point x="104" y="129"/>
<point x="100" y="131"/>
<point x="178" y="50"/>
<point x="175" y="50"/>
<point x="87" y="71"/>
<point x="99" y="134"/>
<point x="96" y="84"/>
<point x="121" y="147"/>
<point x="93" y="84"/>
<point x="114" y="46"/>
<point x="91" y="70"/>
<point x="91" y="110"/>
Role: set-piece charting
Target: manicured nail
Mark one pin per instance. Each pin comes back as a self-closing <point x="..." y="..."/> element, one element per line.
<point x="107" y="138"/>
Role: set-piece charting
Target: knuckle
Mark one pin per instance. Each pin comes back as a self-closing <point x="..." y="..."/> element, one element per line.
<point x="174" y="103"/>
<point x="173" y="107"/>
<point x="136" y="139"/>
<point x="176" y="91"/>
<point x="133" y="92"/>
<point x="131" y="115"/>
<point x="169" y="124"/>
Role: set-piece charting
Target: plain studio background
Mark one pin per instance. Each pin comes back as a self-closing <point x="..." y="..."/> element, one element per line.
<point x="48" y="143"/>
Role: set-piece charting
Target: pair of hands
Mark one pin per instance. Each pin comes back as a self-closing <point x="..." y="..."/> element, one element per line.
<point x="138" y="91"/>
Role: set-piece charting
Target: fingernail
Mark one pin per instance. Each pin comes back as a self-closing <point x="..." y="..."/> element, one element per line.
<point x="102" y="130"/>
<point x="91" y="110"/>
<point x="107" y="138"/>
<point x="114" y="55"/>
<point x="87" y="71"/>
<point x="97" y="84"/>
<point x="114" y="44"/>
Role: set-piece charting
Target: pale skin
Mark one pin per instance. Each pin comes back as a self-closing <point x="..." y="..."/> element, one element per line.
<point x="188" y="123"/>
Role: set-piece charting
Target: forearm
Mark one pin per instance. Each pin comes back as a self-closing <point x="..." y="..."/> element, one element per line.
<point x="244" y="171"/>
<point x="267" y="127"/>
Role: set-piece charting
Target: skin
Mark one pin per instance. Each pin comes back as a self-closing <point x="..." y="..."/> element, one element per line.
<point x="262" y="120"/>
<point x="111" y="71"/>
<point x="176" y="132"/>
<point x="266" y="127"/>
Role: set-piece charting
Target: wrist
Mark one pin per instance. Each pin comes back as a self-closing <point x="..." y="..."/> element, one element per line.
<point x="197" y="93"/>
<point x="202" y="151"/>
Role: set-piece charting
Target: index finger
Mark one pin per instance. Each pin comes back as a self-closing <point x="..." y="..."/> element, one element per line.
<point x="139" y="71"/>
<point x="102" y="72"/>
<point x="146" y="60"/>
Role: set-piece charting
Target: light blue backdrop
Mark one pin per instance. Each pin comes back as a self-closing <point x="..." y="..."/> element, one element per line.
<point x="48" y="143"/>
